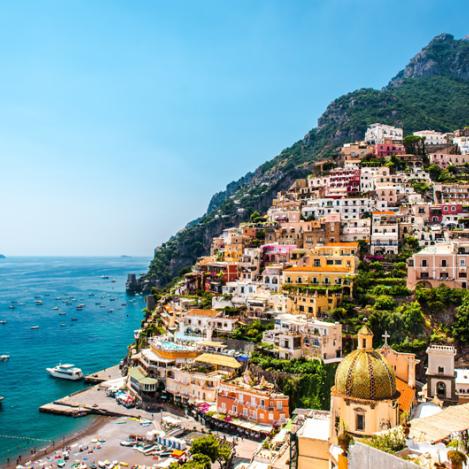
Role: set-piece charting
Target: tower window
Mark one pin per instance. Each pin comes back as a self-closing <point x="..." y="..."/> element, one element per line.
<point x="360" y="423"/>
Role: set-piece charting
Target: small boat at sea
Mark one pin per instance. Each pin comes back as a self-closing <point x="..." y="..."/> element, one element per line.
<point x="62" y="313"/>
<point x="39" y="302"/>
<point x="2" y="321"/>
<point x="62" y="324"/>
<point x="80" y="306"/>
<point x="5" y="357"/>
<point x="74" y="319"/>
<point x="34" y="328"/>
<point x="55" y="308"/>
<point x="1" y="400"/>
<point x="105" y="277"/>
<point x="66" y="371"/>
<point x="12" y="306"/>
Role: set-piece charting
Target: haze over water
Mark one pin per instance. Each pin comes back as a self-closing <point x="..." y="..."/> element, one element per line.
<point x="96" y="340"/>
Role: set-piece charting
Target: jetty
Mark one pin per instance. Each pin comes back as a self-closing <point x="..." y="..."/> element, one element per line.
<point x="104" y="375"/>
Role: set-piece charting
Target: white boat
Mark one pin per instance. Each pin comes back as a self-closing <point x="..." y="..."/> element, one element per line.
<point x="4" y="358"/>
<point x="2" y="321"/>
<point x="55" y="308"/>
<point x="39" y="302"/>
<point x="34" y="327"/>
<point x="66" y="371"/>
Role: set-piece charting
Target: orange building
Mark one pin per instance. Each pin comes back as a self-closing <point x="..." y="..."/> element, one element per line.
<point x="255" y="403"/>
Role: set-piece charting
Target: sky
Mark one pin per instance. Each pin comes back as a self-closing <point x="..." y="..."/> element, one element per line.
<point x="120" y="119"/>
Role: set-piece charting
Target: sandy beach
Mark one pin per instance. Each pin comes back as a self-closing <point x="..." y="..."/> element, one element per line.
<point x="97" y="442"/>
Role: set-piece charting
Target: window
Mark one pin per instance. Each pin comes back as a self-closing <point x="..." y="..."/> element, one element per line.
<point x="360" y="422"/>
<point x="441" y="369"/>
<point x="443" y="263"/>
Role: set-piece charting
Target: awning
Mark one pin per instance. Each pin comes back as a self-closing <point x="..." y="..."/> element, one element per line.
<point x="218" y="360"/>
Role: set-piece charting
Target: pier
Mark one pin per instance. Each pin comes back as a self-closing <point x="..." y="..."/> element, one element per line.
<point x="112" y="372"/>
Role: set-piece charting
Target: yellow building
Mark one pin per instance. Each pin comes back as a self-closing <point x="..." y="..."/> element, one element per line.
<point x="321" y="275"/>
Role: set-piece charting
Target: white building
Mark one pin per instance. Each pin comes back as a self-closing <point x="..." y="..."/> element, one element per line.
<point x="379" y="133"/>
<point x="432" y="137"/>
<point x="347" y="207"/>
<point x="295" y="336"/>
<point x="463" y="144"/>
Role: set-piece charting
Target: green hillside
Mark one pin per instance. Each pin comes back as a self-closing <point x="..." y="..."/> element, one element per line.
<point x="432" y="92"/>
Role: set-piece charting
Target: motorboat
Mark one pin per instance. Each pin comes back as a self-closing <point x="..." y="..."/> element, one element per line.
<point x="39" y="302"/>
<point x="2" y="321"/>
<point x="12" y="306"/>
<point x="4" y="358"/>
<point x="62" y="313"/>
<point x="55" y="308"/>
<point x="66" y="371"/>
<point x="80" y="306"/>
<point x="34" y="328"/>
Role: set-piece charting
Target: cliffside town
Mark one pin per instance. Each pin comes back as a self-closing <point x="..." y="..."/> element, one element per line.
<point x="333" y="327"/>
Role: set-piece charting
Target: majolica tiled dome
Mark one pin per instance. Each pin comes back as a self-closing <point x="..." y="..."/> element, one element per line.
<point x="365" y="373"/>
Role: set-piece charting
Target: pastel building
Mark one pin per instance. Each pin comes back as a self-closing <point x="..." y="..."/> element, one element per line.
<point x="384" y="233"/>
<point x="440" y="264"/>
<point x="257" y="403"/>
<point x="343" y="181"/>
<point x="388" y="148"/>
<point x="451" y="193"/>
<point x="432" y="137"/>
<point x="446" y="159"/>
<point x="296" y="336"/>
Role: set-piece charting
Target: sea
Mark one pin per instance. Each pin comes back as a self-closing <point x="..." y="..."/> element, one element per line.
<point x="93" y="339"/>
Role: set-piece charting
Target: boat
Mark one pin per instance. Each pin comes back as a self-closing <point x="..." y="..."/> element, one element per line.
<point x="2" y="321"/>
<point x="34" y="327"/>
<point x="62" y="324"/>
<point x="80" y="306"/>
<point x="39" y="302"/>
<point x="62" y="313"/>
<point x="74" y="319"/>
<point x="12" y="306"/>
<point x="105" y="277"/>
<point x="4" y="358"/>
<point x="55" y="308"/>
<point x="66" y="371"/>
<point x="1" y="400"/>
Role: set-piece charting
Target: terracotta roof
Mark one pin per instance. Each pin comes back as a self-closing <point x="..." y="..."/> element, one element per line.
<point x="212" y="313"/>
<point x="328" y="268"/>
<point x="407" y="397"/>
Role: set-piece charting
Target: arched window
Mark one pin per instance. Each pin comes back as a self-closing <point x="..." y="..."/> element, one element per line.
<point x="267" y="280"/>
<point x="441" y="389"/>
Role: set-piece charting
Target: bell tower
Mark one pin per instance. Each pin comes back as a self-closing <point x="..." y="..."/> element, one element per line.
<point x="365" y="339"/>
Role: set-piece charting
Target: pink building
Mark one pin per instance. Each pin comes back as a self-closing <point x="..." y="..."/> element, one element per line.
<point x="440" y="264"/>
<point x="388" y="148"/>
<point x="445" y="159"/>
<point x="343" y="181"/>
<point x="277" y="253"/>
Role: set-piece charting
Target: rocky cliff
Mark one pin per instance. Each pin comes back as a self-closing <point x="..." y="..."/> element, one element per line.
<point x="431" y="92"/>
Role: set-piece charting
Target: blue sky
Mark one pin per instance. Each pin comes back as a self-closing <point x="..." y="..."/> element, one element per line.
<point x="119" y="119"/>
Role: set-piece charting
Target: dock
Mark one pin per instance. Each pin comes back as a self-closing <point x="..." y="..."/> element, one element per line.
<point x="92" y="400"/>
<point x="112" y="372"/>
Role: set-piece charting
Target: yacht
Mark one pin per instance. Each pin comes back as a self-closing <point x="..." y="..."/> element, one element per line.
<point x="66" y="371"/>
<point x="34" y="327"/>
<point x="4" y="358"/>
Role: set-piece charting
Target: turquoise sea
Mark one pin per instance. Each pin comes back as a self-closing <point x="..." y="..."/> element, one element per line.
<point x="97" y="339"/>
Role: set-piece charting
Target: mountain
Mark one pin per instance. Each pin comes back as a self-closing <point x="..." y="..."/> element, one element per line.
<point x="431" y="92"/>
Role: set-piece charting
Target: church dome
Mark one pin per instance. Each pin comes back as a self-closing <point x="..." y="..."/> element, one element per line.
<point x="365" y="373"/>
